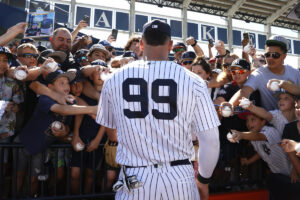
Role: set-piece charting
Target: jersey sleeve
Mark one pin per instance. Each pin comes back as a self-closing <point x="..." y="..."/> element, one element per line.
<point x="105" y="115"/>
<point x="205" y="116"/>
<point x="272" y="135"/>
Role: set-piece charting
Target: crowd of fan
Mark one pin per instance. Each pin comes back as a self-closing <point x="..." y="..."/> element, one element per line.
<point x="64" y="84"/>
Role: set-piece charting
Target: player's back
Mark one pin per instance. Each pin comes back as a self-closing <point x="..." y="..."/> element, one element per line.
<point x="153" y="105"/>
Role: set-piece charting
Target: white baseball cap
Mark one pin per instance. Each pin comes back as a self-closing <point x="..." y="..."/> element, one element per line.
<point x="278" y="40"/>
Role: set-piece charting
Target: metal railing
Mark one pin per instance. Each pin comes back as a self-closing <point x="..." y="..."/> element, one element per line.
<point x="47" y="177"/>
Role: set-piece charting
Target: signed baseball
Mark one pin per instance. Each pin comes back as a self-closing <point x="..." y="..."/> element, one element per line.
<point x="245" y="103"/>
<point x="226" y="111"/>
<point x="247" y="49"/>
<point x="57" y="125"/>
<point x="104" y="76"/>
<point x="20" y="74"/>
<point x="274" y="86"/>
<point x="52" y="66"/>
<point x="230" y="138"/>
<point x="79" y="146"/>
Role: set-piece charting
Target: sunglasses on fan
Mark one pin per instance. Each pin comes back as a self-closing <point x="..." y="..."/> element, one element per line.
<point x="274" y="55"/>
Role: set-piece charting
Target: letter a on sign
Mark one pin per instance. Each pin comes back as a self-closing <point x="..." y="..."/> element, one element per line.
<point x="103" y="20"/>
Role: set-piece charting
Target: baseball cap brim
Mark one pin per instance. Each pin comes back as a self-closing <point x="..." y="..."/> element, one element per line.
<point x="59" y="55"/>
<point x="99" y="49"/>
<point x="243" y="115"/>
<point x="51" y="77"/>
<point x="276" y="43"/>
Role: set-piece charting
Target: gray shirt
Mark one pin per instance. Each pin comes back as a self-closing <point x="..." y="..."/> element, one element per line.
<point x="259" y="78"/>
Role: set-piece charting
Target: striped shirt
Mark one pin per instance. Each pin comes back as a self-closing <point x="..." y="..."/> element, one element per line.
<point x="271" y="152"/>
<point x="153" y="105"/>
<point x="278" y="120"/>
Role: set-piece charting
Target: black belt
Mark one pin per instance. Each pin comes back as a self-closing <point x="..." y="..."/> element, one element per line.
<point x="172" y="163"/>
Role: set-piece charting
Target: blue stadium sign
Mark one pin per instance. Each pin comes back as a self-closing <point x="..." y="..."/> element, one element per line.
<point x="207" y="32"/>
<point x="103" y="19"/>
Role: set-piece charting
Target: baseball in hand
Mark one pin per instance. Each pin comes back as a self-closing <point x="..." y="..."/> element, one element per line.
<point x="20" y="74"/>
<point x="247" y="49"/>
<point x="230" y="138"/>
<point x="52" y="66"/>
<point x="104" y="76"/>
<point x="217" y="44"/>
<point x="226" y="111"/>
<point x="274" y="86"/>
<point x="245" y="103"/>
<point x="79" y="147"/>
<point x="57" y="125"/>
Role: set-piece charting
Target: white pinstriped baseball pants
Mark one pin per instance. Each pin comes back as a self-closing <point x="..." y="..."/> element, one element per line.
<point x="165" y="183"/>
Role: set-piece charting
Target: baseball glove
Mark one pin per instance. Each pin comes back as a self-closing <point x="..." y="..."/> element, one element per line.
<point x="110" y="150"/>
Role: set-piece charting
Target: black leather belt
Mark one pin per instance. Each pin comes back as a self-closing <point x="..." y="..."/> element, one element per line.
<point x="172" y="163"/>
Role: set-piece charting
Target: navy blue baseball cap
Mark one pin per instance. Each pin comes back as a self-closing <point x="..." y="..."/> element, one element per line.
<point x="178" y="45"/>
<point x="78" y="78"/>
<point x="157" y="25"/>
<point x="105" y="43"/>
<point x="51" y="77"/>
<point x="26" y="40"/>
<point x="6" y="51"/>
<point x="188" y="55"/>
<point x="130" y="54"/>
<point x="99" y="62"/>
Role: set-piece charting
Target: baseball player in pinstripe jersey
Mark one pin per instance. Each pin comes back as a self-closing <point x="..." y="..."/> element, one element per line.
<point x="153" y="103"/>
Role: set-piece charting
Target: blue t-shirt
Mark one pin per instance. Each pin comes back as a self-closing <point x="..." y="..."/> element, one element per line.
<point x="89" y="128"/>
<point x="37" y="135"/>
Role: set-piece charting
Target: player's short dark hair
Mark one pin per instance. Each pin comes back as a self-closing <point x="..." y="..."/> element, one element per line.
<point x="155" y="38"/>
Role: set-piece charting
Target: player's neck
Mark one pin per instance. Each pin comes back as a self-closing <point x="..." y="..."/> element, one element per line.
<point x="155" y="53"/>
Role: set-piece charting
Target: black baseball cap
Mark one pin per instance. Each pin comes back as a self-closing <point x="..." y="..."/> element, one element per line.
<point x="99" y="62"/>
<point x="78" y="78"/>
<point x="157" y="25"/>
<point x="130" y="54"/>
<point x="41" y="48"/>
<point x="6" y="51"/>
<point x="51" y="77"/>
<point x="188" y="55"/>
<point x="241" y="63"/>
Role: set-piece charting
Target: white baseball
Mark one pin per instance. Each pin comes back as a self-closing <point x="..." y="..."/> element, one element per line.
<point x="57" y="125"/>
<point x="52" y="66"/>
<point x="226" y="111"/>
<point x="20" y="74"/>
<point x="245" y="103"/>
<point x="217" y="44"/>
<point x="104" y="76"/>
<point x="79" y="147"/>
<point x="247" y="49"/>
<point x="274" y="86"/>
<point x="230" y="138"/>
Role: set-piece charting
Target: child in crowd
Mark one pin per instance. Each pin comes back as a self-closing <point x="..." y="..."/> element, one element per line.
<point x="265" y="141"/>
<point x="39" y="133"/>
<point x="278" y="118"/>
<point x="12" y="96"/>
<point x="89" y="134"/>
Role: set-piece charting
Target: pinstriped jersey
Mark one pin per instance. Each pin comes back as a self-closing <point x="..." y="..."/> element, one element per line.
<point x="153" y="105"/>
<point x="271" y="152"/>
